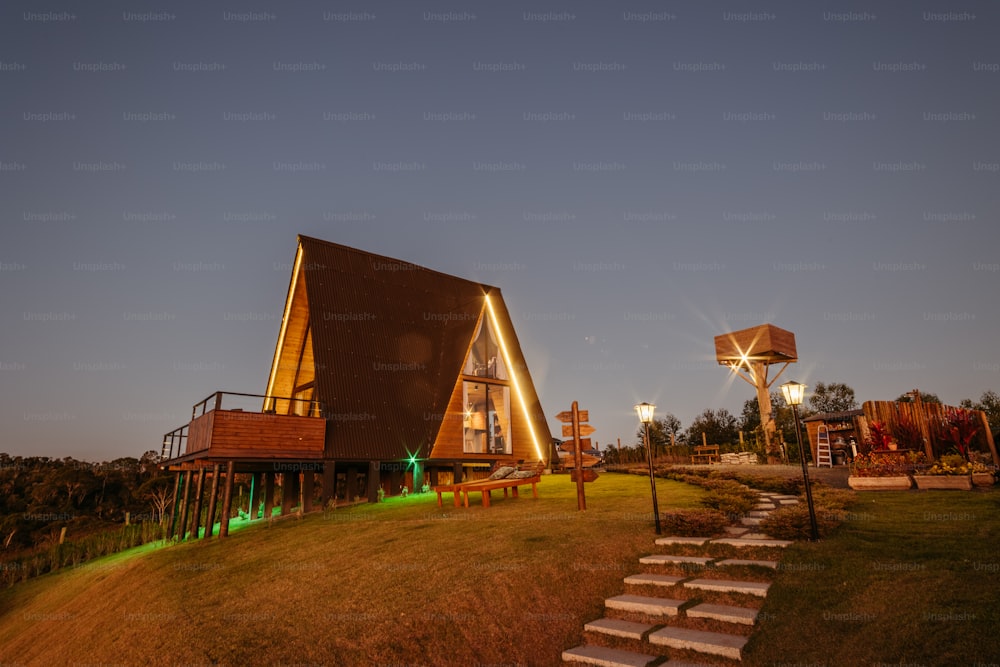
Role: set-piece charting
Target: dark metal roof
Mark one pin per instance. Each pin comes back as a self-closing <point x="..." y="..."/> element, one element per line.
<point x="389" y="339"/>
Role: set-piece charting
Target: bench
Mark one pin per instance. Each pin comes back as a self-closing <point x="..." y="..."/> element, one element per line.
<point x="485" y="486"/>
<point x="705" y="454"/>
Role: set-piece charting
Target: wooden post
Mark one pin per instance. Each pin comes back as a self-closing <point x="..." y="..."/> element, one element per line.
<point x="351" y="484"/>
<point x="127" y="516"/>
<point x="704" y="439"/>
<point x="184" y="505"/>
<point x="256" y="492"/>
<point x="329" y="482"/>
<point x="374" y="481"/>
<point x="62" y="535"/>
<point x="989" y="438"/>
<point x="213" y="500"/>
<point x="227" y="498"/>
<point x="173" y="504"/>
<point x="308" y="490"/>
<point x="268" y="494"/>
<point x="456" y="471"/>
<point x="289" y="491"/>
<point x="581" y="498"/>
<point x="196" y="518"/>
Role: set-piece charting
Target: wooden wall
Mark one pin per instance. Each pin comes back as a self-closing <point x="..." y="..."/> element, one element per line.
<point x="226" y="433"/>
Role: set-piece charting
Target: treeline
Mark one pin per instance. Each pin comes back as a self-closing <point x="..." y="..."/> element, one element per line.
<point x="39" y="496"/>
<point x="671" y="442"/>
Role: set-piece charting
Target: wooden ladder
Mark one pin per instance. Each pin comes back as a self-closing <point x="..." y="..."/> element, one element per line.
<point x="823" y="457"/>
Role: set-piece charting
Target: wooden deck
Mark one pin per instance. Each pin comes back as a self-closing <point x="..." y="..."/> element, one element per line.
<point x="236" y="434"/>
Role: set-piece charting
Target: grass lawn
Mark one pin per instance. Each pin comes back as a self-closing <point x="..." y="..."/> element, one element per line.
<point x="400" y="582"/>
<point x="910" y="578"/>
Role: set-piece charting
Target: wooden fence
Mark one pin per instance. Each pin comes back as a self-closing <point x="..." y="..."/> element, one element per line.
<point x="928" y="419"/>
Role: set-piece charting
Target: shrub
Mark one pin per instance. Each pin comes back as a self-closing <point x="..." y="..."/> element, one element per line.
<point x="694" y="523"/>
<point x="729" y="497"/>
<point x="792" y="522"/>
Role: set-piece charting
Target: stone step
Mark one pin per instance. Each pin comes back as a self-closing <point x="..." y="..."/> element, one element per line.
<point x="652" y="579"/>
<point x="757" y="588"/>
<point x="697" y="541"/>
<point x="619" y="628"/>
<point x="736" y="562"/>
<point x="736" y="530"/>
<point x="641" y="604"/>
<point x="765" y="506"/>
<point x="722" y="612"/>
<point x="608" y="657"/>
<point x="743" y="542"/>
<point x="793" y="501"/>
<point x="663" y="559"/>
<point x="714" y="643"/>
<point x="750" y="520"/>
<point x="786" y="496"/>
<point x="751" y="535"/>
<point x="758" y="514"/>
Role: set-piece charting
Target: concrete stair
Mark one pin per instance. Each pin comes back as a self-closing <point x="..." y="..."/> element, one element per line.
<point x="712" y="643"/>
<point x="756" y="588"/>
<point x="616" y="627"/>
<point x="653" y="580"/>
<point x="724" y="613"/>
<point x="700" y="616"/>
<point x="643" y="604"/>
<point x="603" y="656"/>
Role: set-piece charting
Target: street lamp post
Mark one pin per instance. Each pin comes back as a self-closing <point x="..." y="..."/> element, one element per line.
<point x="645" y="412"/>
<point x="793" y="393"/>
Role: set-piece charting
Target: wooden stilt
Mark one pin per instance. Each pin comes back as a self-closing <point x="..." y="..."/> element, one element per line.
<point x="227" y="498"/>
<point x="199" y="492"/>
<point x="374" y="481"/>
<point x="329" y="482"/>
<point x="173" y="504"/>
<point x="184" y="505"/>
<point x="351" y="484"/>
<point x="256" y="493"/>
<point x="213" y="500"/>
<point x="289" y="492"/>
<point x="308" y="490"/>
<point x="268" y="494"/>
<point x="456" y="471"/>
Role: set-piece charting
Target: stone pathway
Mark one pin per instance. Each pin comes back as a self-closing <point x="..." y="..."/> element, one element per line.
<point x="688" y="605"/>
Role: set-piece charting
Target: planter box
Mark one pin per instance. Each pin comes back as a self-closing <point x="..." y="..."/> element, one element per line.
<point x="959" y="482"/>
<point x="893" y="483"/>
<point x="983" y="479"/>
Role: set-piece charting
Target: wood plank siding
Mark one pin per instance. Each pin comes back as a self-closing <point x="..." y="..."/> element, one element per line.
<point x="761" y="343"/>
<point x="237" y="434"/>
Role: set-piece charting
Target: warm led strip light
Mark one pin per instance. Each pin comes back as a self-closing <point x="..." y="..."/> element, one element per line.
<point x="513" y="378"/>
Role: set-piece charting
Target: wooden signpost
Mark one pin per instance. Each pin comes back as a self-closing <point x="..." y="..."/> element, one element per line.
<point x="572" y="427"/>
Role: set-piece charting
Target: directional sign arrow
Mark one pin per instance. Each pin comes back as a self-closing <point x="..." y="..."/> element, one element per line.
<point x="585" y="429"/>
<point x="588" y="475"/>
<point x="566" y="416"/>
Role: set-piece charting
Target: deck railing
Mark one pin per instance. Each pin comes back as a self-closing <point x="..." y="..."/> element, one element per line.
<point x="175" y="442"/>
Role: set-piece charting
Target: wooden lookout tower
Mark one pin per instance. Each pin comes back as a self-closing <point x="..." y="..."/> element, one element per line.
<point x="750" y="353"/>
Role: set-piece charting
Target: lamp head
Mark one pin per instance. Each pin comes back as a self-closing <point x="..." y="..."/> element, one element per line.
<point x="645" y="412"/>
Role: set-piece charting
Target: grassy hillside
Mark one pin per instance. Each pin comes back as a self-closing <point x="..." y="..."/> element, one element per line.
<point x="909" y="578"/>
<point x="401" y="582"/>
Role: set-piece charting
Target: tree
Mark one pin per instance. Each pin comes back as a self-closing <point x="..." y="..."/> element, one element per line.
<point x="719" y="427"/>
<point x="832" y="397"/>
<point x="924" y="398"/>
<point x="159" y="491"/>
<point x="750" y="416"/>
<point x="660" y="431"/>
<point x="989" y="403"/>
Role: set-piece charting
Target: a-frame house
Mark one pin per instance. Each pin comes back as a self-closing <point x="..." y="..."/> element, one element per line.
<point x="385" y="374"/>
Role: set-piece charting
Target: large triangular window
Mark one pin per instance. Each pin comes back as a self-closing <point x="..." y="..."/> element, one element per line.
<point x="486" y="394"/>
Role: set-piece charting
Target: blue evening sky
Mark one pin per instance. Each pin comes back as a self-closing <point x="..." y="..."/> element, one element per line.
<point x="637" y="177"/>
